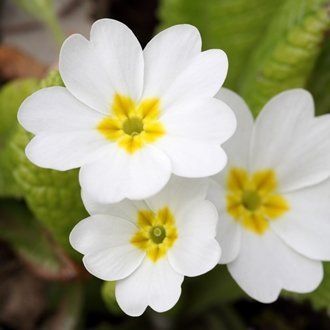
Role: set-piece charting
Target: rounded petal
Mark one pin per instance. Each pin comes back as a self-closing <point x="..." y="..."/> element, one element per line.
<point x="265" y="265"/>
<point x="121" y="54"/>
<point x="237" y="147"/>
<point x="167" y="55"/>
<point x="278" y="123"/>
<point x="120" y="175"/>
<point x="66" y="150"/>
<point x="308" y="160"/>
<point x="203" y="77"/>
<point x="179" y="193"/>
<point x="126" y="209"/>
<point x="196" y="251"/>
<point x="54" y="110"/>
<point x="202" y="119"/>
<point x="112" y="62"/>
<point x="153" y="284"/>
<point x="229" y="232"/>
<point x="193" y="158"/>
<point x="306" y="226"/>
<point x="105" y="242"/>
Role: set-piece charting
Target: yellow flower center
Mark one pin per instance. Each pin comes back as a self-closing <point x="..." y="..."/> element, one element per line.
<point x="156" y="234"/>
<point x="132" y="125"/>
<point x="252" y="199"/>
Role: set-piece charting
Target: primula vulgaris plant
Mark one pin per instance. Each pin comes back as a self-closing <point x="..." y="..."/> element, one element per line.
<point x="129" y="118"/>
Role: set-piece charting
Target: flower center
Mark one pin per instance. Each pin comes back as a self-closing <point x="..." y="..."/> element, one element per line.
<point x="252" y="199"/>
<point x="156" y="234"/>
<point x="133" y="126"/>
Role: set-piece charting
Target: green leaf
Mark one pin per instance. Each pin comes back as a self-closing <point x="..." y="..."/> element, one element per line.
<point x="32" y="243"/>
<point x="52" y="196"/>
<point x="287" y="53"/>
<point x="319" y="82"/>
<point x="11" y="96"/>
<point x="108" y="295"/>
<point x="236" y="26"/>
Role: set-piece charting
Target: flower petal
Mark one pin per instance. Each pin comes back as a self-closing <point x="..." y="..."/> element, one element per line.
<point x="202" y="119"/>
<point x="265" y="265"/>
<point x="126" y="209"/>
<point x="203" y="77"/>
<point x="111" y="62"/>
<point x="121" y="54"/>
<point x="178" y="194"/>
<point x="167" y="55"/>
<point x="308" y="160"/>
<point x="237" y="147"/>
<point x="153" y="284"/>
<point x="196" y="251"/>
<point x="105" y="241"/>
<point x="120" y="175"/>
<point x="54" y="109"/>
<point x="66" y="150"/>
<point x="277" y="125"/>
<point x="306" y="226"/>
<point x="229" y="232"/>
<point x="193" y="158"/>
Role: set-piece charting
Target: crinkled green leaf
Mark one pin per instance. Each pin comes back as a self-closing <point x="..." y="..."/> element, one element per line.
<point x="319" y="82"/>
<point x="11" y="96"/>
<point x="287" y="53"/>
<point x="236" y="26"/>
<point x="32" y="242"/>
<point x="52" y="196"/>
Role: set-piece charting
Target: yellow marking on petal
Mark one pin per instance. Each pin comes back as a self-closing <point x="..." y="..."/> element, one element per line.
<point x="253" y="200"/>
<point x="132" y="125"/>
<point x="156" y="234"/>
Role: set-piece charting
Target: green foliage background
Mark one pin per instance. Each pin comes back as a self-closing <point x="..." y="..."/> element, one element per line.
<point x="272" y="46"/>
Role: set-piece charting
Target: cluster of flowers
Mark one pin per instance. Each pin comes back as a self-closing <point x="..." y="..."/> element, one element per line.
<point x="165" y="199"/>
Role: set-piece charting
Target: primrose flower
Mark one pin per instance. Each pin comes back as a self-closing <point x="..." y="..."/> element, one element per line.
<point x="149" y="246"/>
<point x="129" y="118"/>
<point x="273" y="197"/>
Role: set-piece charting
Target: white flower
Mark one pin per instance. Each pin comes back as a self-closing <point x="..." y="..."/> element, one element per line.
<point x="129" y="118"/>
<point x="149" y="246"/>
<point x="273" y="197"/>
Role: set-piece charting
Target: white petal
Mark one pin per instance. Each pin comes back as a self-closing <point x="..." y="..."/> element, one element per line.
<point x="153" y="284"/>
<point x="126" y="209"/>
<point x="196" y="251"/>
<point x="121" y="54"/>
<point x="277" y="125"/>
<point x="229" y="232"/>
<point x="66" y="150"/>
<point x="306" y="226"/>
<point x="203" y="77"/>
<point x="179" y="193"/>
<point x="121" y="175"/>
<point x="193" y="158"/>
<point x="111" y="62"/>
<point x="308" y="159"/>
<point x="167" y="55"/>
<point x="202" y="119"/>
<point x="100" y="232"/>
<point x="54" y="109"/>
<point x="265" y="265"/>
<point x="105" y="241"/>
<point x="237" y="147"/>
